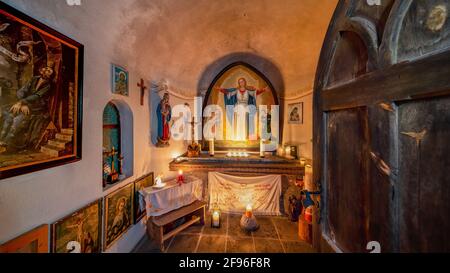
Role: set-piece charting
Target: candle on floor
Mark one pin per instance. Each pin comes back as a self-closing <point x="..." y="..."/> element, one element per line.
<point x="215" y="221"/>
<point x="248" y="211"/>
<point x="211" y="147"/>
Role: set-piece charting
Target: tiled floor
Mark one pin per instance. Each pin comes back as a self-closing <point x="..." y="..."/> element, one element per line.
<point x="275" y="235"/>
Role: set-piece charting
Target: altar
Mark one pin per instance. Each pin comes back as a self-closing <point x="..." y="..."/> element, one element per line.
<point x="251" y="164"/>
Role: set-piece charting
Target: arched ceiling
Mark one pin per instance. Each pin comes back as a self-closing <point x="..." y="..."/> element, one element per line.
<point x="176" y="40"/>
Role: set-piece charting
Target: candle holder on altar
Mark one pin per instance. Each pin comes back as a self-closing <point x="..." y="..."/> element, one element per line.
<point x="215" y="217"/>
<point x="248" y="220"/>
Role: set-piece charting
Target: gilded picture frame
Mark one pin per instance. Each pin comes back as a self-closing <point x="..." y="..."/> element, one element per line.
<point x="34" y="241"/>
<point x="118" y="214"/>
<point x="79" y="232"/>
<point x="40" y="103"/>
<point x="139" y="201"/>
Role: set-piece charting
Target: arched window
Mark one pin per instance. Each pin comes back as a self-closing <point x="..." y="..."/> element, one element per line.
<point x="112" y="152"/>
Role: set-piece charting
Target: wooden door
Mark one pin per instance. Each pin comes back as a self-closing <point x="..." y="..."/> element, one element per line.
<point x="382" y="127"/>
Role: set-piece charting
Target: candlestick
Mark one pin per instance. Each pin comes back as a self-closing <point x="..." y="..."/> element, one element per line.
<point x="211" y="147"/>
<point x="261" y="148"/>
<point x="308" y="178"/>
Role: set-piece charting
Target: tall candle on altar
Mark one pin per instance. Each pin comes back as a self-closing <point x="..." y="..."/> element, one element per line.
<point x="308" y="178"/>
<point x="248" y="211"/>
<point x="261" y="148"/>
<point x="211" y="147"/>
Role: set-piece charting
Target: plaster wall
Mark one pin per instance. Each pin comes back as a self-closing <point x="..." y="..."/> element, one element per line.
<point x="156" y="39"/>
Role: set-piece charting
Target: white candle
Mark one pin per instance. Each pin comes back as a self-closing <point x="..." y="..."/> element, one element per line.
<point x="248" y="211"/>
<point x="308" y="178"/>
<point x="211" y="147"/>
<point x="261" y="148"/>
<point x="288" y="151"/>
<point x="280" y="151"/>
<point x="302" y="162"/>
<point x="216" y="218"/>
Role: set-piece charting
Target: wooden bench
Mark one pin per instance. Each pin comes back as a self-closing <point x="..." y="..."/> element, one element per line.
<point x="155" y="225"/>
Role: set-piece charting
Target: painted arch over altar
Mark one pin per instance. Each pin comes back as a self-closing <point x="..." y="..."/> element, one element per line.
<point x="240" y="84"/>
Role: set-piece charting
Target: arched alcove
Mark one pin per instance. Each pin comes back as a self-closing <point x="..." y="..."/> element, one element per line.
<point x="261" y="64"/>
<point x="240" y="84"/>
<point x="118" y="163"/>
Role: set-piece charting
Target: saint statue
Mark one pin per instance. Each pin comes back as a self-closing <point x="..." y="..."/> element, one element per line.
<point x="241" y="95"/>
<point x="164" y="115"/>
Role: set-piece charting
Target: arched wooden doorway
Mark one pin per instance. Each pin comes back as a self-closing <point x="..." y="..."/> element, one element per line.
<point x="382" y="127"/>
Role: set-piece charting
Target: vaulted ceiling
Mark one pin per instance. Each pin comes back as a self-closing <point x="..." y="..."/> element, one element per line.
<point x="178" y="39"/>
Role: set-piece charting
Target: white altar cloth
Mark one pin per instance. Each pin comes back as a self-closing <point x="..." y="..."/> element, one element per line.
<point x="234" y="193"/>
<point x="172" y="196"/>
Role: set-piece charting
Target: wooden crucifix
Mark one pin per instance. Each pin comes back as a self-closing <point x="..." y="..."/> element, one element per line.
<point x="143" y="87"/>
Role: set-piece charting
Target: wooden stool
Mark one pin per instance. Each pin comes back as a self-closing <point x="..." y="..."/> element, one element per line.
<point x="155" y="225"/>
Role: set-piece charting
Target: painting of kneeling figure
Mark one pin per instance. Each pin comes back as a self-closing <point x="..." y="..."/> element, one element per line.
<point x="40" y="95"/>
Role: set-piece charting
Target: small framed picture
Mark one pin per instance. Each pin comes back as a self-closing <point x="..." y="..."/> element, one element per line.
<point x="139" y="200"/>
<point x="35" y="241"/>
<point x="118" y="216"/>
<point x="295" y="113"/>
<point x="79" y="232"/>
<point x="119" y="80"/>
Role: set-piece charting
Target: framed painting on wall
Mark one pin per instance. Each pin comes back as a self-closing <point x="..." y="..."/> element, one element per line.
<point x="295" y="113"/>
<point x="119" y="80"/>
<point x="35" y="241"/>
<point x="79" y="232"/>
<point x="139" y="201"/>
<point x="40" y="95"/>
<point x="118" y="215"/>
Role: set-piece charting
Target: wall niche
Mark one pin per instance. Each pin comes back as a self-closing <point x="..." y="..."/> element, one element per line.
<point x="117" y="146"/>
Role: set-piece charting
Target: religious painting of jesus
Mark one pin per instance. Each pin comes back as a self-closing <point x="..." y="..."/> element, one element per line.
<point x="40" y="95"/>
<point x="79" y="232"/>
<point x="240" y="87"/>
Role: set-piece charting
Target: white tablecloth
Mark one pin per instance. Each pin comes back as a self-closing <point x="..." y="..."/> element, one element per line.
<point x="172" y="196"/>
<point x="233" y="193"/>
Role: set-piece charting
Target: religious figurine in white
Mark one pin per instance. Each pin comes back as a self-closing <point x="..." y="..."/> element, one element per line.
<point x="242" y="95"/>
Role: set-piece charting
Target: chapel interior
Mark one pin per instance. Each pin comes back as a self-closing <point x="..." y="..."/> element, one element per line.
<point x="212" y="126"/>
